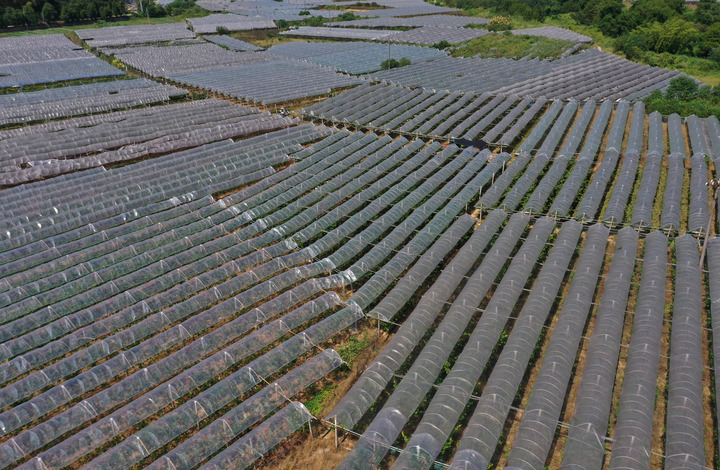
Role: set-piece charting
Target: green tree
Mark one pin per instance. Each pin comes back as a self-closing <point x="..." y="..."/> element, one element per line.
<point x="527" y="12"/>
<point x="29" y="14"/>
<point x="705" y="92"/>
<point x="13" y="17"/>
<point x="616" y="25"/>
<point x="595" y="10"/>
<point x="347" y="16"/>
<point x="391" y="64"/>
<point x="715" y="55"/>
<point x="637" y="39"/>
<point x="48" y="12"/>
<point x="683" y="88"/>
<point x="708" y="12"/>
<point x="674" y="36"/>
<point x="118" y="8"/>
<point x="649" y="11"/>
<point x="66" y="14"/>
<point x="610" y="16"/>
<point x="685" y="98"/>
<point x="91" y="10"/>
<point x="712" y="33"/>
<point x="315" y="21"/>
<point x="154" y="10"/>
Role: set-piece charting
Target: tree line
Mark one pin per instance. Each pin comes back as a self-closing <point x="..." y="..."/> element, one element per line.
<point x="660" y="26"/>
<point x="29" y="13"/>
<point x="20" y="13"/>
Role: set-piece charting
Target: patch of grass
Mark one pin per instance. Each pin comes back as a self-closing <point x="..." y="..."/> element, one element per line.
<point x="568" y="22"/>
<point x="267" y="38"/>
<point x="508" y="45"/>
<point x="704" y="70"/>
<point x="352" y="348"/>
<point x="315" y="404"/>
<point x="517" y="21"/>
<point x="563" y="21"/>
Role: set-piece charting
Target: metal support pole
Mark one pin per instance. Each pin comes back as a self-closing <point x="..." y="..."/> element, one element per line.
<point x="707" y="229"/>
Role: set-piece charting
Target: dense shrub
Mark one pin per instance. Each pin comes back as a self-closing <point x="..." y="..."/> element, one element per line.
<point x="685" y="98"/>
<point x="385" y="65"/>
<point x="499" y="23"/>
<point x="348" y="16"/>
